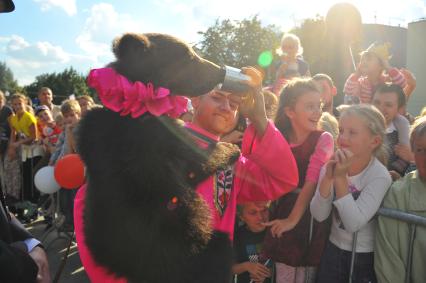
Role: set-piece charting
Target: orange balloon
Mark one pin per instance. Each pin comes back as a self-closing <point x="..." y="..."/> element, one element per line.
<point x="69" y="171"/>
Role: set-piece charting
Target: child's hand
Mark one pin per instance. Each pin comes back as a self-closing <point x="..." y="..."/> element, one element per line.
<point x="343" y="159"/>
<point x="258" y="272"/>
<point x="279" y="226"/>
<point x="329" y="168"/>
<point x="395" y="175"/>
<point x="386" y="64"/>
<point x="403" y="151"/>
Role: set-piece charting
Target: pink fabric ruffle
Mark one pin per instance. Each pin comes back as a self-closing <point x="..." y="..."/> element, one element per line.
<point x="119" y="95"/>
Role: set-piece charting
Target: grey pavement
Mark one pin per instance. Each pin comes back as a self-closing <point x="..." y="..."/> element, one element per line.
<point x="56" y="245"/>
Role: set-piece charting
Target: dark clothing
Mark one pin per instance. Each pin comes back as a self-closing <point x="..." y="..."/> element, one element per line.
<point x="5" y="112"/>
<point x="395" y="163"/>
<point x="247" y="247"/>
<point x="294" y="247"/>
<point x="29" y="191"/>
<point x="336" y="263"/>
<point x="15" y="263"/>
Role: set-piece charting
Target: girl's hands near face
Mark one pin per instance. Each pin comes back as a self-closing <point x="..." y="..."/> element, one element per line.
<point x="343" y="158"/>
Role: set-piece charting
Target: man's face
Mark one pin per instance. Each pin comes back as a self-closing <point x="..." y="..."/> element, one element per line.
<point x="45" y="97"/>
<point x="216" y="112"/>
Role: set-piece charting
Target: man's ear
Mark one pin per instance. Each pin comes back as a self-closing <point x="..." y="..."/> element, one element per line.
<point x="334" y="90"/>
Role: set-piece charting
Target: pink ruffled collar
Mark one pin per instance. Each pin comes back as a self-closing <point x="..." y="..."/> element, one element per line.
<point x="119" y="95"/>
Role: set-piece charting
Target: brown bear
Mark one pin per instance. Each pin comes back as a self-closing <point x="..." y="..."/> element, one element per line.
<point x="142" y="219"/>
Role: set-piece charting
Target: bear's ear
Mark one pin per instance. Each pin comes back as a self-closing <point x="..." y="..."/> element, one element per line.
<point x="130" y="45"/>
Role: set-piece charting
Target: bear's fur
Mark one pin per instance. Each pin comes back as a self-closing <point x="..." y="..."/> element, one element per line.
<point x="143" y="219"/>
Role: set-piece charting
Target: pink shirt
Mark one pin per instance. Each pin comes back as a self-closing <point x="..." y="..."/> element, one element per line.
<point x="266" y="170"/>
<point x="323" y="151"/>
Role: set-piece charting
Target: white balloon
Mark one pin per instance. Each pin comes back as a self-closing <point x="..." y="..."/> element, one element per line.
<point x="44" y="180"/>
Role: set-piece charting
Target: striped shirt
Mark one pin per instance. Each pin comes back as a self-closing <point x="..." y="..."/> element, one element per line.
<point x="362" y="87"/>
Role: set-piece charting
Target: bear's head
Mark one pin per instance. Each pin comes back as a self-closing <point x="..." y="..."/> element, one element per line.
<point x="165" y="61"/>
<point x="143" y="219"/>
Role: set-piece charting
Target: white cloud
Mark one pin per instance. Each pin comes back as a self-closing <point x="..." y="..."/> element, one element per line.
<point x="68" y="6"/>
<point x="41" y="51"/>
<point x="101" y="27"/>
<point x="27" y="60"/>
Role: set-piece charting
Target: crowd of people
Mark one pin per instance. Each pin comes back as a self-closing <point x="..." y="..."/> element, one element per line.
<point x="351" y="160"/>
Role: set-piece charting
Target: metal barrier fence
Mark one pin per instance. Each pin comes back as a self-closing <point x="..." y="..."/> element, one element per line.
<point x="412" y="220"/>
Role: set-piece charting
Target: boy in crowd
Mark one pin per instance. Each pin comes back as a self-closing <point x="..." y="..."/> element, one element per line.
<point x="328" y="92"/>
<point x="389" y="99"/>
<point x="66" y="145"/>
<point x="248" y="243"/>
<point x="86" y="103"/>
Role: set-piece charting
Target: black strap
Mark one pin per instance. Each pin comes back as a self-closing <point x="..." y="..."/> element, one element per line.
<point x="202" y="137"/>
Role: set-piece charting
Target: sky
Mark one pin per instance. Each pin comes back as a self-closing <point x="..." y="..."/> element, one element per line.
<point x="44" y="36"/>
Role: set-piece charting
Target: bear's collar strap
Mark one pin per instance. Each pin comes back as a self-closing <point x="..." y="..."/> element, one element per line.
<point x="118" y="94"/>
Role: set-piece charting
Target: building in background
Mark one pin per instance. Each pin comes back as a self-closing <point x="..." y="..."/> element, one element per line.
<point x="416" y="63"/>
<point x="408" y="47"/>
<point x="395" y="35"/>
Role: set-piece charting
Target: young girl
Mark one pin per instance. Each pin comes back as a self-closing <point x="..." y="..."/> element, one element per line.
<point x="49" y="131"/>
<point x="373" y="71"/>
<point x="351" y="188"/>
<point x="290" y="242"/>
<point x="291" y="64"/>
<point x="23" y="127"/>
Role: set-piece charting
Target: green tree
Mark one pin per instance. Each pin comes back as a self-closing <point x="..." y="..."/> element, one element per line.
<point x="7" y="81"/>
<point x="63" y="84"/>
<point x="311" y="33"/>
<point x="238" y="43"/>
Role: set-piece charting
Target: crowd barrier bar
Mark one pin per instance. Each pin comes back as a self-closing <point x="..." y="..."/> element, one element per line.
<point x="412" y="220"/>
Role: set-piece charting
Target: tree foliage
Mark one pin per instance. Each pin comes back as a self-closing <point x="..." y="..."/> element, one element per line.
<point x="238" y="43"/>
<point x="63" y="84"/>
<point x="7" y="80"/>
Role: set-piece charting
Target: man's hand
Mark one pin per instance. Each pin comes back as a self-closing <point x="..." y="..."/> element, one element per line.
<point x="40" y="258"/>
<point x="253" y="105"/>
<point x="233" y="137"/>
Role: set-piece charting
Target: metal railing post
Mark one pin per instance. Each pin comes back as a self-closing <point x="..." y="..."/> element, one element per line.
<point x="351" y="272"/>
